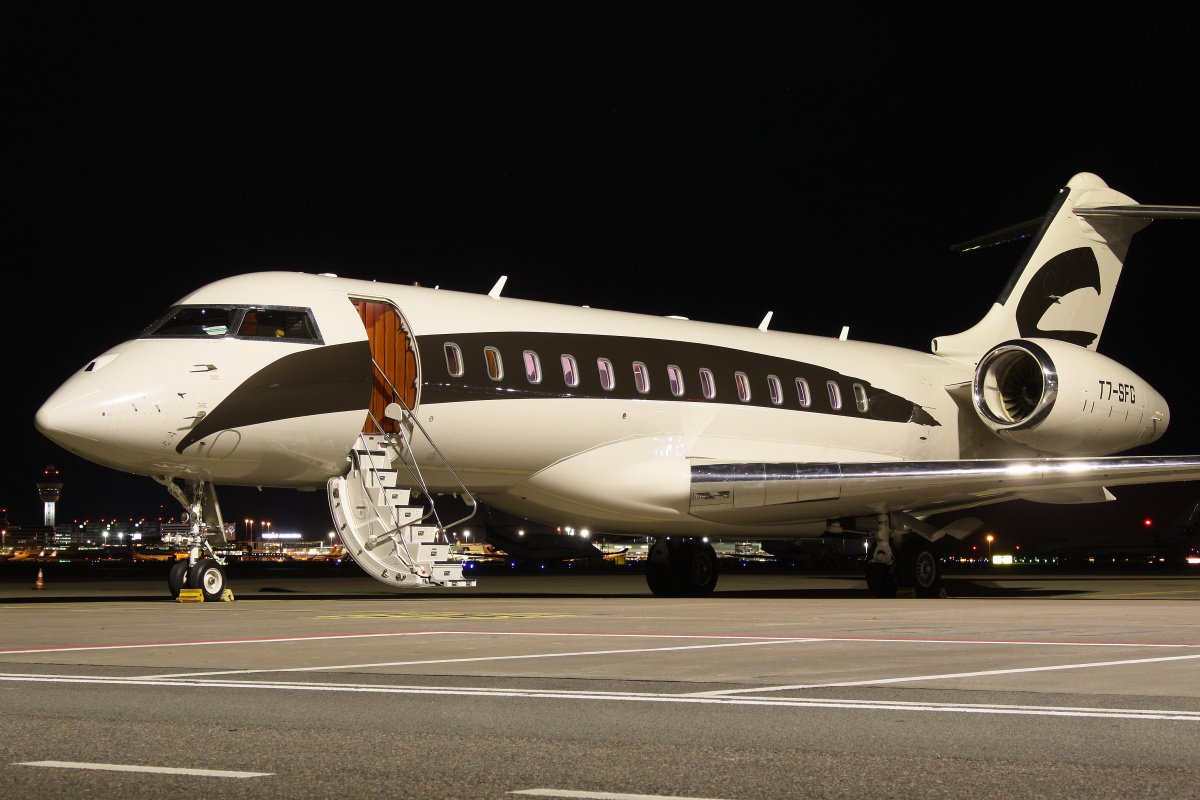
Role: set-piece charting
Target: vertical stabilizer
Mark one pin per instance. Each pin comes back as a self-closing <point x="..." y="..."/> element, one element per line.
<point x="1063" y="286"/>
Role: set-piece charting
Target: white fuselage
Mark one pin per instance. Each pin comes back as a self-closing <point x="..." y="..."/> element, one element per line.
<point x="285" y="412"/>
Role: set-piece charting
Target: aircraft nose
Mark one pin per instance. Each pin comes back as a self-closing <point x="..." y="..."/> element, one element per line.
<point x="78" y="414"/>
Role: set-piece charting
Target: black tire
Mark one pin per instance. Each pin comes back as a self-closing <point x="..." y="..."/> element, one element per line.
<point x="207" y="576"/>
<point x="695" y="568"/>
<point x="917" y="568"/>
<point x="177" y="577"/>
<point x="659" y="575"/>
<point x="880" y="580"/>
<point x="660" y="580"/>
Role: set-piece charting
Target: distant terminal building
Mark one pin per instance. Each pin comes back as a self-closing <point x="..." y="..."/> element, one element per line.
<point x="23" y="535"/>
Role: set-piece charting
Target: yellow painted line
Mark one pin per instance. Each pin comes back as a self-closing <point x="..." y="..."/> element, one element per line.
<point x="1141" y="594"/>
<point x="438" y="615"/>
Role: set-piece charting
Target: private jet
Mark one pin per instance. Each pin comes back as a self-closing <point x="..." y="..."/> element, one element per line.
<point x="388" y="397"/>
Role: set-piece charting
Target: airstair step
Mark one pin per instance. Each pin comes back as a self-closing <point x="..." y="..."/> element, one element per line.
<point x="406" y="515"/>
<point x="420" y="534"/>
<point x="445" y="573"/>
<point x="384" y="498"/>
<point x="382" y="478"/>
<point x="398" y="497"/>
<point x="432" y="553"/>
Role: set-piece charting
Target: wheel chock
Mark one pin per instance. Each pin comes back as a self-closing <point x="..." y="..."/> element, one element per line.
<point x="190" y="596"/>
<point x="227" y="596"/>
<point x="906" y="592"/>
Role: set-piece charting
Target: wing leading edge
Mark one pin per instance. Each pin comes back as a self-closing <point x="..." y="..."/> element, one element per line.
<point x="781" y="493"/>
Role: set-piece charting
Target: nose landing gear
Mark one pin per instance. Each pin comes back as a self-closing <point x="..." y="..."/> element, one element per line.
<point x="203" y="569"/>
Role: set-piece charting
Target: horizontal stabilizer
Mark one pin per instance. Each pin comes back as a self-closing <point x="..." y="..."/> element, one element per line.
<point x="1141" y="212"/>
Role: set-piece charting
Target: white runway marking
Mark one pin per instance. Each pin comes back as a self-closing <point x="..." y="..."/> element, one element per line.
<point x="944" y="676"/>
<point x="603" y="795"/>
<point x="644" y="697"/>
<point x="204" y="773"/>
<point x="478" y="658"/>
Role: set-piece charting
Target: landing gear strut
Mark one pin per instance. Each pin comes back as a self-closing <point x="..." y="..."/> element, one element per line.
<point x="901" y="561"/>
<point x="204" y="513"/>
<point x="681" y="568"/>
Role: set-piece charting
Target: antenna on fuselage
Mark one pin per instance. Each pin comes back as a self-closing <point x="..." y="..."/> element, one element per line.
<point x="498" y="288"/>
<point x="762" y="326"/>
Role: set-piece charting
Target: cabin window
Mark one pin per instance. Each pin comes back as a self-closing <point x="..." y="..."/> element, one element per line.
<point x="641" y="378"/>
<point x="570" y="370"/>
<point x="533" y="367"/>
<point x="743" y="386"/>
<point x="607" y="379"/>
<point x="495" y="365"/>
<point x="835" y="395"/>
<point x="675" y="378"/>
<point x="776" y="389"/>
<point x="803" y="393"/>
<point x="707" y="385"/>
<point x="860" y="397"/>
<point x="454" y="362"/>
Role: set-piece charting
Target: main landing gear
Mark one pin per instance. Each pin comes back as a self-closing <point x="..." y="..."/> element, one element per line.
<point x="203" y="569"/>
<point x="901" y="561"/>
<point x="681" y="567"/>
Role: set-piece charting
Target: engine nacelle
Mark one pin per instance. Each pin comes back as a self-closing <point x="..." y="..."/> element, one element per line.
<point x="1062" y="399"/>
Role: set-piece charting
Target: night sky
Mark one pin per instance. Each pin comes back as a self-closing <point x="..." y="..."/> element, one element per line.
<point x="701" y="161"/>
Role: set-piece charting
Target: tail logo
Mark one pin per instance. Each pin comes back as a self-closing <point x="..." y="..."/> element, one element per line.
<point x="1060" y="276"/>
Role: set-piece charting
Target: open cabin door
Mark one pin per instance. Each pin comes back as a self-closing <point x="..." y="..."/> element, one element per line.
<point x="395" y="362"/>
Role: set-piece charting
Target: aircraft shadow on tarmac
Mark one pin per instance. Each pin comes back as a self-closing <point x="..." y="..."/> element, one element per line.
<point x="955" y="588"/>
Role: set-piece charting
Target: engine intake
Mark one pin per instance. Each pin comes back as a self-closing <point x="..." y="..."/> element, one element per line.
<point x="1016" y="385"/>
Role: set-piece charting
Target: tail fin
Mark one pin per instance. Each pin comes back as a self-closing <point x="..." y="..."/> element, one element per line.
<point x="1063" y="286"/>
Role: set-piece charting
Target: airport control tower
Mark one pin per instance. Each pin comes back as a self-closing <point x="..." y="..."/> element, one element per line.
<point x="50" y="487"/>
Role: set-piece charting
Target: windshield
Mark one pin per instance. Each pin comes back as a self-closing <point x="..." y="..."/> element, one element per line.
<point x="252" y="322"/>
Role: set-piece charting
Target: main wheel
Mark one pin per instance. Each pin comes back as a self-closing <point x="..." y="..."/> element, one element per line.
<point x="917" y="567"/>
<point x="209" y="578"/>
<point x="880" y="581"/>
<point x="177" y="577"/>
<point x="695" y="567"/>
<point x="660" y="576"/>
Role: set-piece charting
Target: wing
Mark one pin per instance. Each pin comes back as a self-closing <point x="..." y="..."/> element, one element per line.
<point x="783" y="493"/>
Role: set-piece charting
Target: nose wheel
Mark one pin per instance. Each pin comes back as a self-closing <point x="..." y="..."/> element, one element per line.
<point x="177" y="577"/>
<point x="206" y="575"/>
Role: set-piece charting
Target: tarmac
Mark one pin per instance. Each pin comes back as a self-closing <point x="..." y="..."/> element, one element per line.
<point x="316" y="681"/>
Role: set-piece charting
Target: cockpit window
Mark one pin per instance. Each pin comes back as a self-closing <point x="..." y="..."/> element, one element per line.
<point x="277" y="323"/>
<point x="198" y="321"/>
<point x="249" y="322"/>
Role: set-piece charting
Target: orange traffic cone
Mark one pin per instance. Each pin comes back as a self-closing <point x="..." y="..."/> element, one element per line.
<point x="39" y="584"/>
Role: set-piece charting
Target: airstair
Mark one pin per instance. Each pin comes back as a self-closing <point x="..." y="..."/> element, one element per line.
<point x="381" y="527"/>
